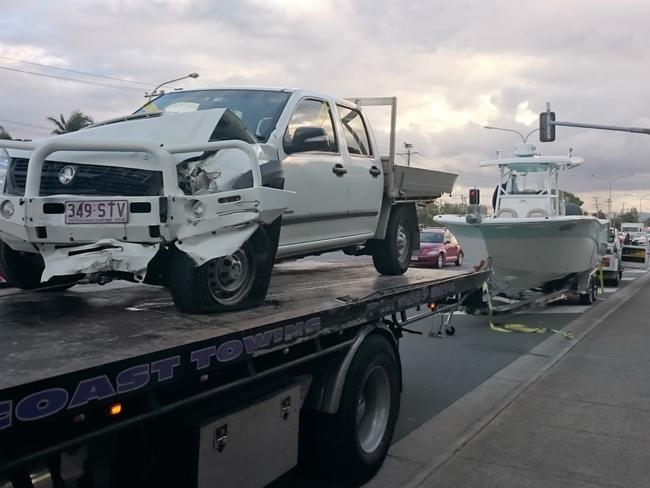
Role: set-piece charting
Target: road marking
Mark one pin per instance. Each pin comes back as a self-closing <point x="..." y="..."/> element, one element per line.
<point x="634" y="270"/>
<point x="627" y="278"/>
<point x="610" y="290"/>
<point x="560" y="309"/>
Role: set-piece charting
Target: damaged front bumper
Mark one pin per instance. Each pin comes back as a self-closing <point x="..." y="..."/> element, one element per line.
<point x="205" y="226"/>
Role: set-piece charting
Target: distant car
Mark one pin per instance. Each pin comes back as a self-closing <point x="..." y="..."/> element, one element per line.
<point x="437" y="248"/>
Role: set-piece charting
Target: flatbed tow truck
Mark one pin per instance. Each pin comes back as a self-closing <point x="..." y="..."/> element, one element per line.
<point x="109" y="387"/>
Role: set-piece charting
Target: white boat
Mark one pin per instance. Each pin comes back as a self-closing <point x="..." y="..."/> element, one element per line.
<point x="534" y="239"/>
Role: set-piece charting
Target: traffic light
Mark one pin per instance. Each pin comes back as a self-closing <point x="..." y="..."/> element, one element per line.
<point x="546" y="128"/>
<point x="474" y="196"/>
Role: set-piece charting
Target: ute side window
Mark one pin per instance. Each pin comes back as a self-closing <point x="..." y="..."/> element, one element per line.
<point x="355" y="131"/>
<point x="311" y="128"/>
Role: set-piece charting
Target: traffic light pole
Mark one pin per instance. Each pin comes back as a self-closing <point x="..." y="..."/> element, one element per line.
<point x="547" y="124"/>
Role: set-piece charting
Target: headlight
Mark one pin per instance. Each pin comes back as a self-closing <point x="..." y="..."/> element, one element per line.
<point x="4" y="165"/>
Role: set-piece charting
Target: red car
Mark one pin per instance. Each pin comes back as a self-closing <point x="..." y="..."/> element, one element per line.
<point x="437" y="248"/>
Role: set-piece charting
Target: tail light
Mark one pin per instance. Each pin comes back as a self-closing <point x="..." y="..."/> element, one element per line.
<point x="605" y="262"/>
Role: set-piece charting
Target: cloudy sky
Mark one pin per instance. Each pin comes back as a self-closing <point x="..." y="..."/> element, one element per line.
<point x="454" y="66"/>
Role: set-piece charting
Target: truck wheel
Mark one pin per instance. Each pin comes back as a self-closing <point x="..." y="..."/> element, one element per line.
<point x="228" y="283"/>
<point x="392" y="255"/>
<point x="350" y="446"/>
<point x="24" y="270"/>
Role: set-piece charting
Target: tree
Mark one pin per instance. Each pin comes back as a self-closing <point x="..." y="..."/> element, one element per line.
<point x="77" y="120"/>
<point x="4" y="134"/>
<point x="571" y="198"/>
<point x="631" y="216"/>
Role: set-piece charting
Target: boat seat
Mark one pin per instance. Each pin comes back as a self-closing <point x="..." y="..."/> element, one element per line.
<point x="507" y="212"/>
<point x="537" y="212"/>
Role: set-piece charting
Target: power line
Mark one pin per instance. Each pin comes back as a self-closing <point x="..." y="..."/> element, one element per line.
<point x="65" y="78"/>
<point x="24" y="123"/>
<point x="77" y="72"/>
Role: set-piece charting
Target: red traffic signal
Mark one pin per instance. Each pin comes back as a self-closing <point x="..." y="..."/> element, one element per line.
<point x="474" y="196"/>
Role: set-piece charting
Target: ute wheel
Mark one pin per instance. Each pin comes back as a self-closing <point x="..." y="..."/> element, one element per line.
<point x="228" y="283"/>
<point x="392" y="255"/>
<point x="24" y="269"/>
<point x="349" y="447"/>
<point x="459" y="261"/>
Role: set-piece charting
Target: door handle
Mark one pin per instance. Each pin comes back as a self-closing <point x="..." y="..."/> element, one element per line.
<point x="339" y="170"/>
<point x="374" y="171"/>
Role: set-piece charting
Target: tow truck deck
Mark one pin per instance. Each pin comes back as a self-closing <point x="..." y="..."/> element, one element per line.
<point x="67" y="356"/>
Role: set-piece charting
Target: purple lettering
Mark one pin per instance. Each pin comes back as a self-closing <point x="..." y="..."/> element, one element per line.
<point x="41" y="404"/>
<point x="165" y="367"/>
<point x="5" y="414"/>
<point x="97" y="388"/>
<point x="278" y="335"/>
<point x="257" y="341"/>
<point x="312" y="326"/>
<point x="292" y="331"/>
<point x="229" y="350"/>
<point x="202" y="357"/>
<point x="133" y="378"/>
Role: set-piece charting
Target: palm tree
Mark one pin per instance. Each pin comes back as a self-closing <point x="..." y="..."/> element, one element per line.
<point x="4" y="134"/>
<point x="77" y="120"/>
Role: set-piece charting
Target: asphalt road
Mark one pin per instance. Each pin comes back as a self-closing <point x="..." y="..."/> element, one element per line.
<point x="439" y="371"/>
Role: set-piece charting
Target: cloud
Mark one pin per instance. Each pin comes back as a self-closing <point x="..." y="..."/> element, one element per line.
<point x="454" y="66"/>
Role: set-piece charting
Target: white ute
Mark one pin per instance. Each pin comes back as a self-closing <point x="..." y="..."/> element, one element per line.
<point x="203" y="190"/>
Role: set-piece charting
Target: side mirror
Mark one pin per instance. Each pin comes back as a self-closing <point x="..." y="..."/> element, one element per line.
<point x="307" y="138"/>
<point x="447" y="242"/>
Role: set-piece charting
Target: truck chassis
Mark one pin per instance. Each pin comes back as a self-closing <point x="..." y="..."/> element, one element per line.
<point x="116" y="388"/>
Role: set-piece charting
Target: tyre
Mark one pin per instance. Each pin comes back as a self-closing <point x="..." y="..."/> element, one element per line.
<point x="228" y="283"/>
<point x="459" y="261"/>
<point x="590" y="296"/>
<point x="24" y="270"/>
<point x="440" y="261"/>
<point x="349" y="447"/>
<point x="392" y="255"/>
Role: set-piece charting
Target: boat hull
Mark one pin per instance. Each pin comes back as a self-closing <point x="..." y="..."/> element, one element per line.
<point x="527" y="253"/>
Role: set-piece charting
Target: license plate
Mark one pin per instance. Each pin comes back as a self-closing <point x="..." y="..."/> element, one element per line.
<point x="97" y="212"/>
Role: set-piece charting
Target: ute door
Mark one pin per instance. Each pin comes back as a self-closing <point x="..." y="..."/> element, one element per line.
<point x="315" y="169"/>
<point x="365" y="172"/>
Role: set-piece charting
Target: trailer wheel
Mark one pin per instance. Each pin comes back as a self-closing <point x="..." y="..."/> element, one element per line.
<point x="590" y="296"/>
<point x="392" y="255"/>
<point x="228" y="283"/>
<point x="350" y="446"/>
<point x="24" y="270"/>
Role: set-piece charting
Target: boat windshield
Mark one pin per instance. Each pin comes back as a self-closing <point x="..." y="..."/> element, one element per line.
<point x="432" y="237"/>
<point x="259" y="109"/>
<point x="526" y="184"/>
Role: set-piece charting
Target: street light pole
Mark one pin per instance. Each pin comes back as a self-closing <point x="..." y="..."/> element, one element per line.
<point x="155" y="93"/>
<point x="641" y="198"/>
<point x="609" y="203"/>
<point x="524" y="139"/>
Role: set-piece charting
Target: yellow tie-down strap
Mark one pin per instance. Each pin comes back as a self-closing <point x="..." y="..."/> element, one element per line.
<point x="513" y="327"/>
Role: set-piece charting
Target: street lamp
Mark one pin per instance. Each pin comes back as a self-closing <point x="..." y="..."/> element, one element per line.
<point x="512" y="130"/>
<point x="609" y="202"/>
<point x="155" y="92"/>
<point x="641" y="198"/>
